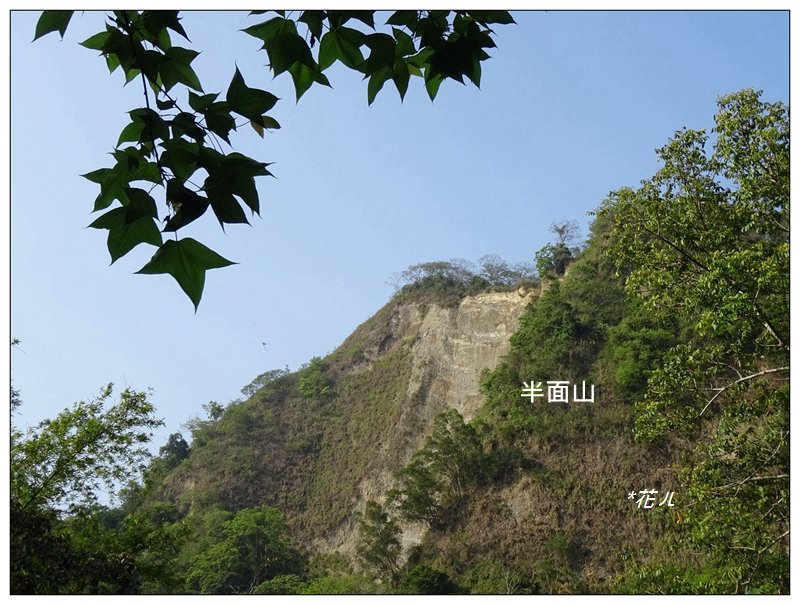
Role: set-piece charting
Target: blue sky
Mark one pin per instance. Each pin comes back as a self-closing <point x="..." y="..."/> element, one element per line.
<point x="572" y="106"/>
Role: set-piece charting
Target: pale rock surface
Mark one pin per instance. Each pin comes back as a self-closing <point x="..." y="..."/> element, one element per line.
<point x="449" y="347"/>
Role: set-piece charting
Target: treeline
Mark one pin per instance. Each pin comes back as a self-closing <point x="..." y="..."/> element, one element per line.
<point x="449" y="281"/>
<point x="446" y="282"/>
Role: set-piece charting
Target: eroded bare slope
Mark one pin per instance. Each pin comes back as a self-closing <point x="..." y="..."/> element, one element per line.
<point x="447" y="349"/>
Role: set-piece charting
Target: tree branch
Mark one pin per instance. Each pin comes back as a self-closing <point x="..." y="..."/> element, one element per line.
<point x="743" y="379"/>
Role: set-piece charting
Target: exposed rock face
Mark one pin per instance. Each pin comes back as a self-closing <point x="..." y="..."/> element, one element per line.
<point x="449" y="348"/>
<point x="453" y="346"/>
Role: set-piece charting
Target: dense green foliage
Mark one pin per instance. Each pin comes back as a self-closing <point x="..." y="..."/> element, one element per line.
<point x="706" y="242"/>
<point x="379" y="542"/>
<point x="440" y="473"/>
<point x="552" y="259"/>
<point x="422" y="579"/>
<point x="62" y="540"/>
<point x="675" y="311"/>
<point x="262" y="380"/>
<point x="176" y="140"/>
<point x="62" y="462"/>
<point x="253" y="549"/>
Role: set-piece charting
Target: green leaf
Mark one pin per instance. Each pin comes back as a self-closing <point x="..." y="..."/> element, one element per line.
<point x="314" y="20"/>
<point x="382" y="52"/>
<point x="264" y="122"/>
<point x="154" y="126"/>
<point x="422" y="59"/>
<point x="409" y="19"/>
<point x="187" y="261"/>
<point x="168" y="19"/>
<point x="487" y="17"/>
<point x="201" y="102"/>
<point x="284" y="50"/>
<point x="405" y="44"/>
<point x="97" y="176"/>
<point x="131" y="75"/>
<point x="112" y="62"/>
<point x="157" y="22"/>
<point x="130" y="225"/>
<point x="176" y="68"/>
<point x="461" y="24"/>
<point x="251" y="103"/>
<point x="180" y="157"/>
<point x="112" y="186"/>
<point x="432" y="85"/>
<point x="184" y="124"/>
<point x="366" y="17"/>
<point x="452" y="60"/>
<point x="210" y="159"/>
<point x="304" y="76"/>
<point x="155" y="32"/>
<point x="376" y="82"/>
<point x="401" y="76"/>
<point x="114" y="45"/>
<point x="342" y="44"/>
<point x="217" y="115"/>
<point x="431" y="30"/>
<point x="413" y="70"/>
<point x="98" y="41"/>
<point x="132" y="165"/>
<point x="131" y="133"/>
<point x="339" y="18"/>
<point x="267" y="30"/>
<point x="270" y="123"/>
<point x="165" y="105"/>
<point x="148" y="61"/>
<point x="188" y="205"/>
<point x="228" y="210"/>
<point x="234" y="174"/>
<point x="475" y="74"/>
<point x="219" y="119"/>
<point x="52" y="21"/>
<point x="246" y="190"/>
<point x="288" y="51"/>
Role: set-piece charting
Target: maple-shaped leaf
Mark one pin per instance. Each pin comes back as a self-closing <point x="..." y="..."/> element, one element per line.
<point x="187" y="260"/>
<point x="131" y="225"/>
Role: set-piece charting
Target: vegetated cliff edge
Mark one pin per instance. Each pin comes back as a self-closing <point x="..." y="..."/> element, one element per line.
<point x="320" y="442"/>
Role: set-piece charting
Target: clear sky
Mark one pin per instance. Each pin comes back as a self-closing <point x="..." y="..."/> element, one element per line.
<point x="572" y="106"/>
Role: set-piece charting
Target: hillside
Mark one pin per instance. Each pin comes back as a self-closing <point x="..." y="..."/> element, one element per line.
<point x="619" y="425"/>
<point x="371" y="406"/>
<point x="321" y="443"/>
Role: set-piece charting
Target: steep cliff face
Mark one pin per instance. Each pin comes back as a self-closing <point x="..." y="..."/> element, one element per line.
<point x="448" y="348"/>
<point x="454" y="345"/>
<point x="320" y="453"/>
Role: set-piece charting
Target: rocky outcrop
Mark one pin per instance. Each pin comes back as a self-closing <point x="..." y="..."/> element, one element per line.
<point x="449" y="348"/>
